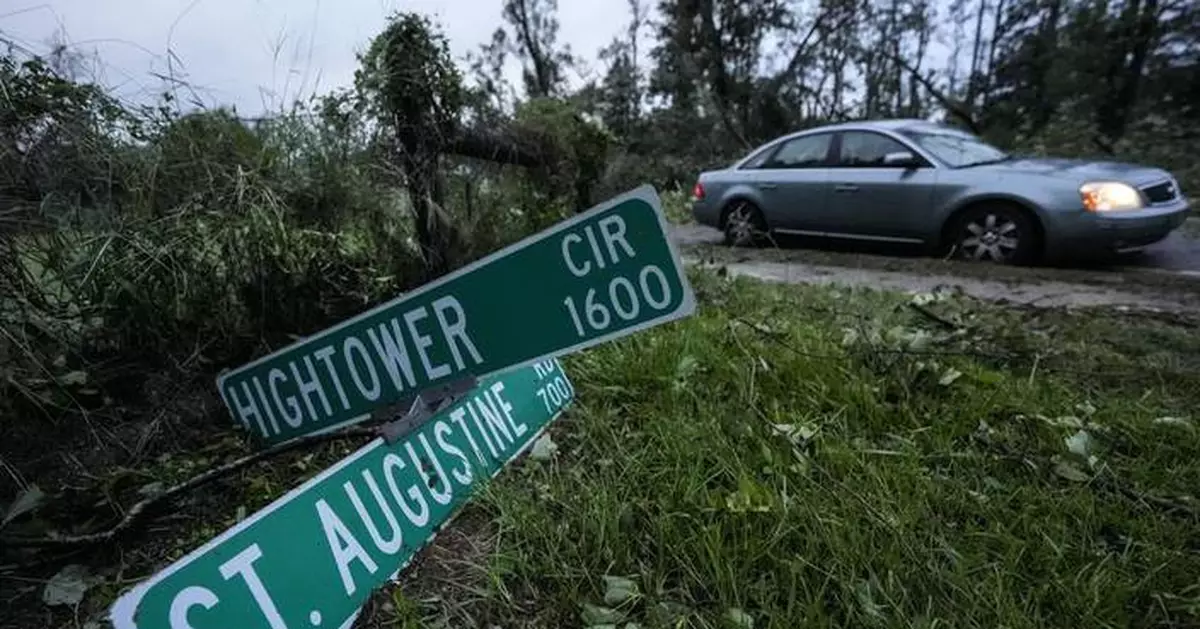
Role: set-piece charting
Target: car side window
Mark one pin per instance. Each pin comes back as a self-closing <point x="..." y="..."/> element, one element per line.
<point x="809" y="151"/>
<point x="866" y="149"/>
<point x="759" y="158"/>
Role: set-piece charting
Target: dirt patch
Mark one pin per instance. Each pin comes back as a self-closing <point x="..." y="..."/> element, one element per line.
<point x="444" y="583"/>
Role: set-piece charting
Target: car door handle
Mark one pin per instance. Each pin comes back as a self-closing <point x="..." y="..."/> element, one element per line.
<point x="768" y="186"/>
<point x="845" y="187"/>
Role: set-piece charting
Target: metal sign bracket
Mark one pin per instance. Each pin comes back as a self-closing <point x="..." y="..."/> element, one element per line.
<point x="424" y="405"/>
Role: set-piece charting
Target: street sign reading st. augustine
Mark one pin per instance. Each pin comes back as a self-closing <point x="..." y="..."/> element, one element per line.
<point x="310" y="559"/>
<point x="601" y="275"/>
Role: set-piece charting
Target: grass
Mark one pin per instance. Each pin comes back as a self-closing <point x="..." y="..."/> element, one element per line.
<point x="819" y="457"/>
<point x="800" y="456"/>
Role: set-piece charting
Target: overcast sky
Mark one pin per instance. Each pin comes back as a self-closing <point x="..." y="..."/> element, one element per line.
<point x="259" y="54"/>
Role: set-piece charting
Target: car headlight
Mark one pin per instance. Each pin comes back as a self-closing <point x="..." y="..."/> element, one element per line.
<point x="1109" y="196"/>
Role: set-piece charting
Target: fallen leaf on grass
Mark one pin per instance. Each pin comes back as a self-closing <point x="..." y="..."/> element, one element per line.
<point x="152" y="489"/>
<point x="74" y="378"/>
<point x="739" y="618"/>
<point x="1079" y="444"/>
<point x="68" y="586"/>
<point x="597" y="616"/>
<point x="618" y="590"/>
<point x="1071" y="472"/>
<point x="1174" y="421"/>
<point x="26" y="501"/>
<point x="796" y="433"/>
<point x="949" y="377"/>
<point x="543" y="449"/>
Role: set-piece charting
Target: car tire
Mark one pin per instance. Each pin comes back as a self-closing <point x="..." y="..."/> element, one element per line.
<point x="744" y="225"/>
<point x="997" y="233"/>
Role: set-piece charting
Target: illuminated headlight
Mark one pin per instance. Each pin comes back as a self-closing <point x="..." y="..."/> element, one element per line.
<point x="1109" y="196"/>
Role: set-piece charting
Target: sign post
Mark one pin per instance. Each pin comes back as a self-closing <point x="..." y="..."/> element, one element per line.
<point x="312" y="558"/>
<point x="601" y="275"/>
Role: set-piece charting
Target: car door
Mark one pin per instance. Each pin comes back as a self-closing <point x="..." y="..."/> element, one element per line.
<point x="876" y="201"/>
<point x="794" y="181"/>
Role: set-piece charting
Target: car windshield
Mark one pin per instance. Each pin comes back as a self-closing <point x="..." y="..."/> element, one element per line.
<point x="957" y="149"/>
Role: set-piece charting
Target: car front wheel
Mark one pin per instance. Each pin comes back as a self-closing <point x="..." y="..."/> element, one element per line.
<point x="995" y="233"/>
<point x="745" y="225"/>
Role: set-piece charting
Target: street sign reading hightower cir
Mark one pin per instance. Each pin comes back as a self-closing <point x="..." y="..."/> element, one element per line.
<point x="600" y="275"/>
<point x="311" y="559"/>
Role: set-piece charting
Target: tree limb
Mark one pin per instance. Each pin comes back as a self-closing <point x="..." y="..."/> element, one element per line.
<point x="139" y="511"/>
<point x="956" y="109"/>
<point x="501" y="148"/>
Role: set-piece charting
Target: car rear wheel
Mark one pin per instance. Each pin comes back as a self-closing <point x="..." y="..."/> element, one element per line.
<point x="744" y="225"/>
<point x="995" y="233"/>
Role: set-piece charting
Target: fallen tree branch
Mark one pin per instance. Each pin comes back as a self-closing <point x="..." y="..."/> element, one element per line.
<point x="934" y="317"/>
<point x="511" y="148"/>
<point x="137" y="513"/>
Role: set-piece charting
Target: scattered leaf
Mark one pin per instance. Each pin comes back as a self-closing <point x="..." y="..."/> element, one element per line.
<point x="866" y="600"/>
<point x="68" y="586"/>
<point x="1174" y="421"/>
<point x="74" y="378"/>
<point x="949" y="376"/>
<point x="739" y="618"/>
<point x="1079" y="444"/>
<point x="1071" y="472"/>
<point x="543" y="449"/>
<point x="595" y="616"/>
<point x="150" y="490"/>
<point x="796" y="433"/>
<point x="618" y="590"/>
<point x="26" y="501"/>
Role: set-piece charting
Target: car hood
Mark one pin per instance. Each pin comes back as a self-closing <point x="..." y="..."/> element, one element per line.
<point x="1080" y="170"/>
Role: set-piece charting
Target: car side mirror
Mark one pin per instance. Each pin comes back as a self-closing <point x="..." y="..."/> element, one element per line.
<point x="901" y="158"/>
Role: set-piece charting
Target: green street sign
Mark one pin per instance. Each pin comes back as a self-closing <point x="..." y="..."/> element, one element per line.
<point x="312" y="558"/>
<point x="600" y="275"/>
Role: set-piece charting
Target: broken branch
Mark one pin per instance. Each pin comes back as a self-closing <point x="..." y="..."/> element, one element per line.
<point x="137" y="513"/>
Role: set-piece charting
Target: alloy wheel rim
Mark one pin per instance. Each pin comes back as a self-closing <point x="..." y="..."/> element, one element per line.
<point x="990" y="237"/>
<point x="741" y="227"/>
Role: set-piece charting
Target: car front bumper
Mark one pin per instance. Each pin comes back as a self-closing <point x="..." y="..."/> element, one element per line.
<point x="1080" y="231"/>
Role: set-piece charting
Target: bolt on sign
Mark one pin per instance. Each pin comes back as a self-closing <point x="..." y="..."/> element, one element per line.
<point x="312" y="558"/>
<point x="600" y="275"/>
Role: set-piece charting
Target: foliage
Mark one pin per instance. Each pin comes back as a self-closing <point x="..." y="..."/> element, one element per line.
<point x="582" y="146"/>
<point x="143" y="248"/>
<point x="818" y="456"/>
<point x="408" y="81"/>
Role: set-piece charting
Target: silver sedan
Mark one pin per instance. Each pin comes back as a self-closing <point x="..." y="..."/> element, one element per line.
<point x="930" y="184"/>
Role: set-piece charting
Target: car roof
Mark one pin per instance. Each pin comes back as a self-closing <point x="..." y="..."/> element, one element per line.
<point x="880" y="124"/>
<point x="884" y="124"/>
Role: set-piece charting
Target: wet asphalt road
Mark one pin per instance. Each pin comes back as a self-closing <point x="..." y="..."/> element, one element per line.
<point x="1176" y="252"/>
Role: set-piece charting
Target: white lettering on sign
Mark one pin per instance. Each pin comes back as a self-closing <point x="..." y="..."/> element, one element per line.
<point x="624" y="297"/>
<point x="612" y="230"/>
<point x="439" y="466"/>
<point x="555" y="392"/>
<point x="441" y="431"/>
<point x="354" y="372"/>
<point x="496" y="390"/>
<point x="185" y="600"/>
<point x="345" y="547"/>
<point x="292" y="415"/>
<point x="622" y="300"/>
<point x="392" y="465"/>
<point x="242" y="565"/>
<point x="390" y="545"/>
<point x="324" y="355"/>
